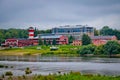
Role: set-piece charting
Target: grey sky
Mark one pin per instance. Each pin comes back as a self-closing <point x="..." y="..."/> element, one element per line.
<point x="45" y="14"/>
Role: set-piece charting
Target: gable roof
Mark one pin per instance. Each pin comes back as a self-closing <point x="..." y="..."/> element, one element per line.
<point x="102" y="37"/>
<point x="50" y="36"/>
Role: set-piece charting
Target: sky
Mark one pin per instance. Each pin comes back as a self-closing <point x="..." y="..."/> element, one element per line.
<point x="46" y="14"/>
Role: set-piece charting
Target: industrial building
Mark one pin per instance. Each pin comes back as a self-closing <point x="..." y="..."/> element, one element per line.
<point x="76" y="30"/>
<point x="20" y="42"/>
<point x="49" y="38"/>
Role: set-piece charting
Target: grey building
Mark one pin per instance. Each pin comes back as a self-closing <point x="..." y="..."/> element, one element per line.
<point x="76" y="30"/>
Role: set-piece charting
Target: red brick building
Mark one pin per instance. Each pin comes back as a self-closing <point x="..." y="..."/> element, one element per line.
<point x="97" y="40"/>
<point x="20" y="42"/>
<point x="60" y="39"/>
<point x="101" y="40"/>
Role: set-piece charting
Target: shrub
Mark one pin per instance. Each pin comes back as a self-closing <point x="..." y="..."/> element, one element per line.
<point x="28" y="71"/>
<point x="1" y="66"/>
<point x="9" y="73"/>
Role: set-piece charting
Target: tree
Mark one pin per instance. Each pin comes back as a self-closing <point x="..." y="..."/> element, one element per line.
<point x="49" y="42"/>
<point x="71" y="38"/>
<point x="40" y="42"/>
<point x="96" y="32"/>
<point x="109" y="31"/>
<point x="54" y="42"/>
<point x="99" y="50"/>
<point x="44" y="41"/>
<point x="88" y="49"/>
<point x="106" y="31"/>
<point x="86" y="39"/>
<point x="112" y="47"/>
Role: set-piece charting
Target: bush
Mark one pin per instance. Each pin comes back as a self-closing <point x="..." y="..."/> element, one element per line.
<point x="88" y="49"/>
<point x="9" y="73"/>
<point x="1" y="66"/>
<point x="28" y="71"/>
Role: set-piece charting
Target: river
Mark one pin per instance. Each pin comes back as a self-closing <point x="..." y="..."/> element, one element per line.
<point x="103" y="66"/>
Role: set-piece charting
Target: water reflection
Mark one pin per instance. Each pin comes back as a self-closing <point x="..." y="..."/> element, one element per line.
<point x="39" y="58"/>
<point x="46" y="64"/>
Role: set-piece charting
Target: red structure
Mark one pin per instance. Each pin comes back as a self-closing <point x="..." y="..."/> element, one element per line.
<point x="59" y="39"/>
<point x="101" y="40"/>
<point x="96" y="40"/>
<point x="20" y="42"/>
<point x="77" y="42"/>
<point x="31" y="32"/>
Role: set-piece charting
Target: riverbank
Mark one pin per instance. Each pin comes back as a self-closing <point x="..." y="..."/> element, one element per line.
<point x="62" y="50"/>
<point x="36" y="50"/>
<point x="64" y="76"/>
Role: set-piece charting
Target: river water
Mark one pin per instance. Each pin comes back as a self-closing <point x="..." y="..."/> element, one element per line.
<point x="46" y="65"/>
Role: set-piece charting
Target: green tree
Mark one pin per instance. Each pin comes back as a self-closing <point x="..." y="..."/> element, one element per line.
<point x="71" y="38"/>
<point x="45" y="42"/>
<point x="40" y="42"/>
<point x="96" y="32"/>
<point x="112" y="47"/>
<point x="54" y="42"/>
<point x="99" y="50"/>
<point x="88" y="49"/>
<point x="109" y="31"/>
<point x="49" y="42"/>
<point x="86" y="39"/>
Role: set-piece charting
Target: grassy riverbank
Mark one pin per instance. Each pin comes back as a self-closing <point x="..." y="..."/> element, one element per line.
<point x="89" y="50"/>
<point x="32" y="50"/>
<point x="59" y="76"/>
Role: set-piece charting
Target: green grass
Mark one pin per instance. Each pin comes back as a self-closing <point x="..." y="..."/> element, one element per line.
<point x="32" y="50"/>
<point x="65" y="76"/>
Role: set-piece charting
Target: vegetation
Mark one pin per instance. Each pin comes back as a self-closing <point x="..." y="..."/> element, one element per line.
<point x="18" y="33"/>
<point x="112" y="47"/>
<point x="65" y="76"/>
<point x="109" y="31"/>
<point x="28" y="71"/>
<point x="8" y="73"/>
<point x="86" y="39"/>
<point x="89" y="49"/>
<point x="71" y="38"/>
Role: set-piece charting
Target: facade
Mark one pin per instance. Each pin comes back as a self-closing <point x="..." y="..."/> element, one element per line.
<point x="16" y="42"/>
<point x="96" y="40"/>
<point x="49" y="38"/>
<point x="101" y="40"/>
<point x="20" y="42"/>
<point x="77" y="42"/>
<point x="76" y="31"/>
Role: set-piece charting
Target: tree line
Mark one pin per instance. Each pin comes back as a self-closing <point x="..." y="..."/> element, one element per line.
<point x="107" y="31"/>
<point x="18" y="33"/>
<point x="110" y="48"/>
<point x="23" y="33"/>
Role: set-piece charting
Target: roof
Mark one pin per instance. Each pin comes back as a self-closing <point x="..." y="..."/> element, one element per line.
<point x="101" y="37"/>
<point x="51" y="36"/>
<point x="73" y="26"/>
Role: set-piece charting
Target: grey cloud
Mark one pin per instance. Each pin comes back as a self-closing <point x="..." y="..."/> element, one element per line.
<point x="49" y="13"/>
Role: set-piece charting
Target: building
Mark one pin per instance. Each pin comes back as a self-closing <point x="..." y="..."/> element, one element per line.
<point x="101" y="40"/>
<point x="49" y="38"/>
<point x="96" y="40"/>
<point x="20" y="42"/>
<point x="76" y="31"/>
<point x="77" y="42"/>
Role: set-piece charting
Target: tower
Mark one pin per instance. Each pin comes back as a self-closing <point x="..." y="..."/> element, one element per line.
<point x="31" y="32"/>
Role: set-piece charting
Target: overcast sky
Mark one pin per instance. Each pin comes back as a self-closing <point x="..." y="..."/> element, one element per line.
<point x="45" y="14"/>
